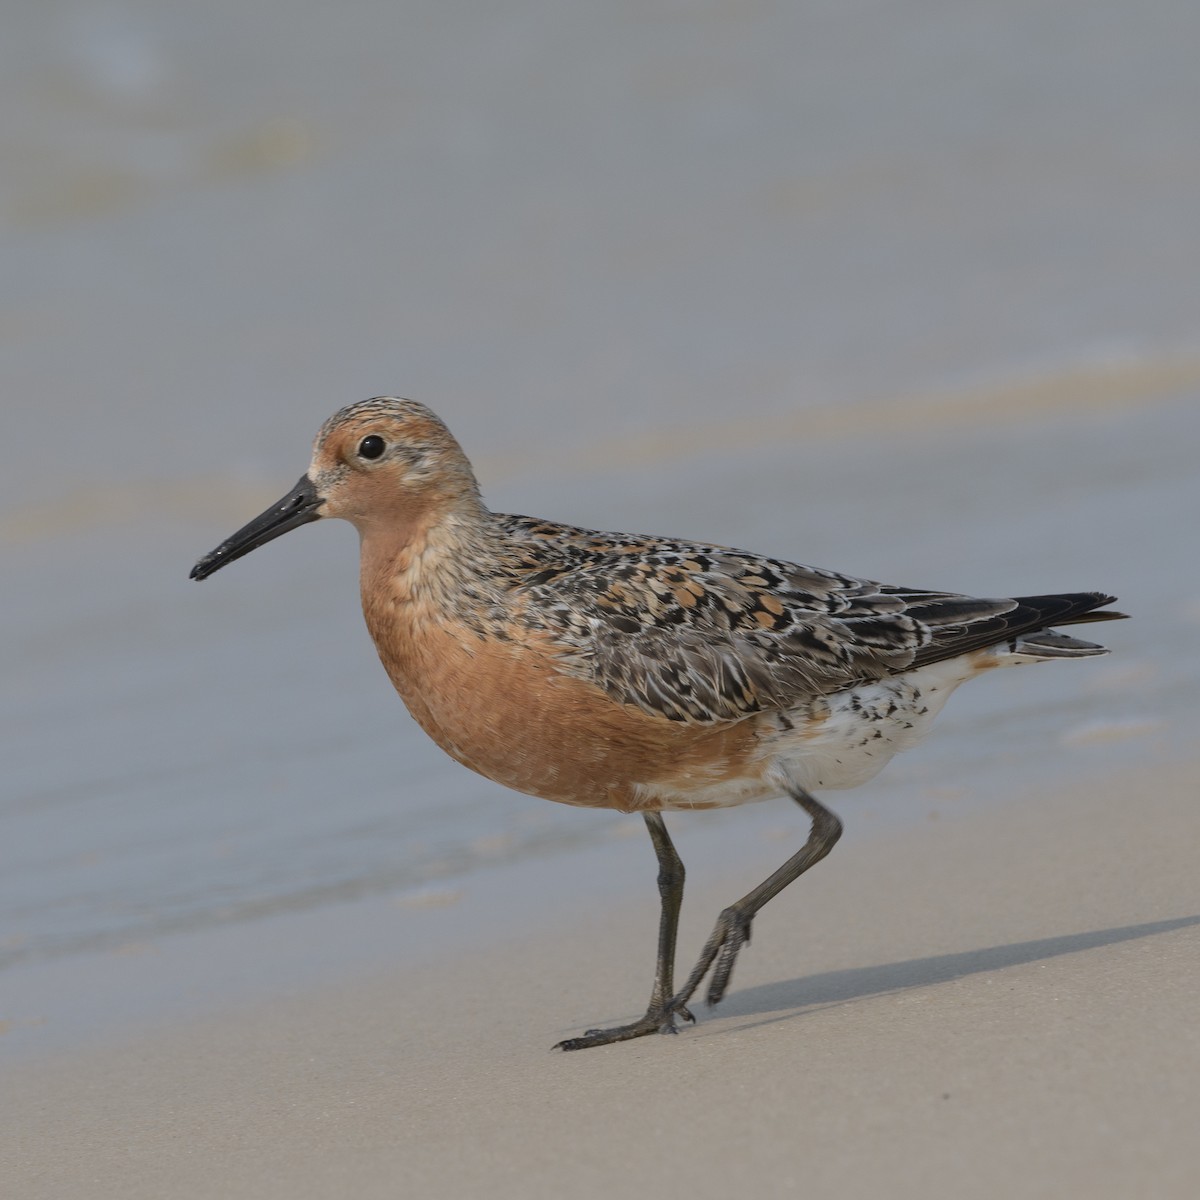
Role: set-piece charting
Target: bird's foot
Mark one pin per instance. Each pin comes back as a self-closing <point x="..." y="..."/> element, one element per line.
<point x="736" y="934"/>
<point x="658" y="1019"/>
<point x="731" y="933"/>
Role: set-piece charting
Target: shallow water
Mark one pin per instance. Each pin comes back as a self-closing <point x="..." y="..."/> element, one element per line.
<point x="919" y="305"/>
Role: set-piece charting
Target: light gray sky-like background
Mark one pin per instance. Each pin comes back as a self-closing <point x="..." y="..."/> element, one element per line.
<point x="566" y="220"/>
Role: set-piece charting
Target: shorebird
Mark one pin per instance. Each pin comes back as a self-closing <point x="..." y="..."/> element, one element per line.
<point x="640" y="673"/>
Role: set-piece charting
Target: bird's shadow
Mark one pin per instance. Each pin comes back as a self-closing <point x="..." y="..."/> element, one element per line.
<point x="794" y="997"/>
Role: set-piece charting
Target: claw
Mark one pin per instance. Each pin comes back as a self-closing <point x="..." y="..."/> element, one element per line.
<point x="656" y="1020"/>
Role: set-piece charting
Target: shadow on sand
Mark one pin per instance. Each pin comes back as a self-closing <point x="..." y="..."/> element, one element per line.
<point x="794" y="997"/>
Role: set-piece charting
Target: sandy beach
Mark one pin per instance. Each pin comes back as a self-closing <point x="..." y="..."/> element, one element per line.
<point x="988" y="1005"/>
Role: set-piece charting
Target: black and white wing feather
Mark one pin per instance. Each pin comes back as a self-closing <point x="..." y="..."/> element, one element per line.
<point x="705" y="634"/>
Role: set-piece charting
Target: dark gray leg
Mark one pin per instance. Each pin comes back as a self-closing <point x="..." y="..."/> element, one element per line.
<point x="732" y="930"/>
<point x="670" y="890"/>
<point x="731" y="933"/>
<point x="661" y="1013"/>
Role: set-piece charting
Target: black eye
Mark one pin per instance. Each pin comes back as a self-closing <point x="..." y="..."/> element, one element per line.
<point x="371" y="447"/>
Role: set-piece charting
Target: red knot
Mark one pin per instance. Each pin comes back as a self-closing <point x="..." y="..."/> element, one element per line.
<point x="640" y="673"/>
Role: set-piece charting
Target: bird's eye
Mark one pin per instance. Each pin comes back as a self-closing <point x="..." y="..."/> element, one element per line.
<point x="371" y="447"/>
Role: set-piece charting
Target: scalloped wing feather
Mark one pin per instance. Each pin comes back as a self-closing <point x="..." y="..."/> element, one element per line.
<point x="704" y="634"/>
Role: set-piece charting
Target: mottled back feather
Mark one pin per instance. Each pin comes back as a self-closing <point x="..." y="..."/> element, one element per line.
<point x="701" y="634"/>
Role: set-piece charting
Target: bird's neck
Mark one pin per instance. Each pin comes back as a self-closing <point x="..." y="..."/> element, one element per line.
<point x="436" y="560"/>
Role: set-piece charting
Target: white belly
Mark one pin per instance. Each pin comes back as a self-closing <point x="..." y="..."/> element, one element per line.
<point x="866" y="727"/>
<point x="841" y="748"/>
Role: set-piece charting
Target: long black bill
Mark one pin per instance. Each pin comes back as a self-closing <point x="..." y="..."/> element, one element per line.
<point x="298" y="507"/>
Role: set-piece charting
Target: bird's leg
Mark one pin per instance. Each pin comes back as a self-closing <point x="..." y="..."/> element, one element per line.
<point x="732" y="930"/>
<point x="663" y="1008"/>
<point x="730" y="934"/>
<point x="670" y="889"/>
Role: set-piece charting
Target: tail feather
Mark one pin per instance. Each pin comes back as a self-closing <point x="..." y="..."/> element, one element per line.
<point x="1087" y="617"/>
<point x="1028" y="623"/>
<point x="1051" y="644"/>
